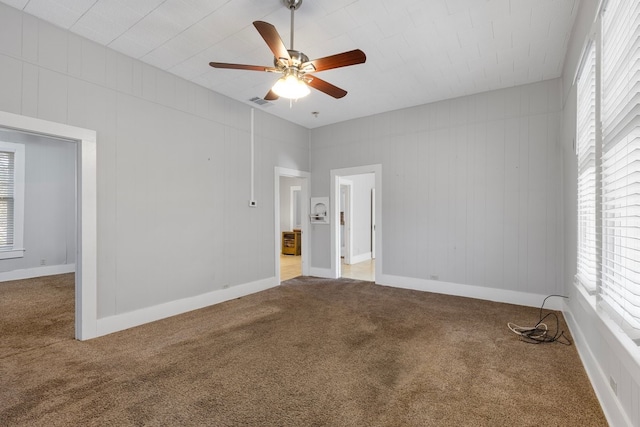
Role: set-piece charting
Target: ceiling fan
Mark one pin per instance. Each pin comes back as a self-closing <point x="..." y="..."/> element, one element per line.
<point x="295" y="66"/>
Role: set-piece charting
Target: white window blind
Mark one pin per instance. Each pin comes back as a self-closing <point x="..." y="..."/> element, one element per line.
<point x="7" y="200"/>
<point x="586" y="152"/>
<point x="620" y="268"/>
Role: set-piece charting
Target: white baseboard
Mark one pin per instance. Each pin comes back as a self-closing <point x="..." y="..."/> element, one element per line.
<point x="119" y="322"/>
<point x="360" y="258"/>
<point x="321" y="272"/>
<point x="614" y="413"/>
<point x="469" y="291"/>
<point x="30" y="273"/>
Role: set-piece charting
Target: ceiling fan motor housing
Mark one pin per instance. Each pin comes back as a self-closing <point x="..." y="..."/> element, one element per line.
<point x="292" y="4"/>
<point x="297" y="58"/>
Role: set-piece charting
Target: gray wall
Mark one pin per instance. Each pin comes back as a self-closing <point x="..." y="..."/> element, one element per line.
<point x="470" y="187"/>
<point x="172" y="163"/>
<point x="50" y="207"/>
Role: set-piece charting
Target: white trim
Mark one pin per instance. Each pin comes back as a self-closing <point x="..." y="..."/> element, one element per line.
<point x="373" y="223"/>
<point x="583" y="57"/>
<point x="119" y="322"/>
<point x="12" y="253"/>
<point x="361" y="258"/>
<point x="252" y="196"/>
<point x="613" y="411"/>
<point x="304" y="214"/>
<point x="30" y="273"/>
<point x="617" y="341"/>
<point x="334" y="190"/>
<point x="469" y="291"/>
<point x="86" y="315"/>
<point x="324" y="273"/>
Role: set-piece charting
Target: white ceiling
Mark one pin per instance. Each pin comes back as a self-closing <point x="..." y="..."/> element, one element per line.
<point x="418" y="51"/>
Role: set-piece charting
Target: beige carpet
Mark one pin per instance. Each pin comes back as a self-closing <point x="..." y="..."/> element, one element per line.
<point x="311" y="352"/>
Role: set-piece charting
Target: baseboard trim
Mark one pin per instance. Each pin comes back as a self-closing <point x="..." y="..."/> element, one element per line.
<point x="30" y="273"/>
<point x="360" y="258"/>
<point x="469" y="291"/>
<point x="610" y="405"/>
<point x="119" y="322"/>
<point x="321" y="272"/>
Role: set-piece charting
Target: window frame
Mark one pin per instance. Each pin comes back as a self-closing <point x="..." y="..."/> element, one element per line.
<point x="589" y="259"/>
<point x="617" y="130"/>
<point x="18" y="150"/>
<point x="619" y="289"/>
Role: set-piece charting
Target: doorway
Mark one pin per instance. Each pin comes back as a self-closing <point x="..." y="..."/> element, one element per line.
<point x="86" y="212"/>
<point x="291" y="225"/>
<point x="355" y="192"/>
<point x="356" y="226"/>
<point x="39" y="216"/>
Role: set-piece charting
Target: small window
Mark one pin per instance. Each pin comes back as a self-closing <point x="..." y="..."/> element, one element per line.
<point x="11" y="200"/>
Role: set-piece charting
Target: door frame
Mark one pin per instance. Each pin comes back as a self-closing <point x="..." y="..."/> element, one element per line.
<point x="86" y="286"/>
<point x="304" y="205"/>
<point x="335" y="175"/>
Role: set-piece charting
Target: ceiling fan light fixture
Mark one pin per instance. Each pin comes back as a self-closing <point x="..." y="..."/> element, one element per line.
<point x="294" y="65"/>
<point x="291" y="87"/>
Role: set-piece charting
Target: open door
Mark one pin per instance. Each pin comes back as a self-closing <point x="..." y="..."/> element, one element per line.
<point x="345" y="220"/>
<point x="373" y="223"/>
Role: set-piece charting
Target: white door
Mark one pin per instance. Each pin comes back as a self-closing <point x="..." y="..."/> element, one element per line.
<point x="373" y="223"/>
<point x="345" y="222"/>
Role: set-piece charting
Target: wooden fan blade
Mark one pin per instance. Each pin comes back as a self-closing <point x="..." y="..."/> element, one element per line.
<point x="271" y="96"/>
<point x="326" y="87"/>
<point x="344" y="59"/>
<point x="241" y="66"/>
<point x="271" y="36"/>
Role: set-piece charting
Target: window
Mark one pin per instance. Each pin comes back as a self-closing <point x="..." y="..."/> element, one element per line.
<point x="586" y="152"/>
<point x="620" y="267"/>
<point x="11" y="200"/>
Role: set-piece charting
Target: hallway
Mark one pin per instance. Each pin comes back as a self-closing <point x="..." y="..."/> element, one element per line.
<point x="290" y="267"/>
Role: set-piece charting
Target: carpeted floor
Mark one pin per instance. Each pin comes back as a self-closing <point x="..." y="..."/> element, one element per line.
<point x="312" y="352"/>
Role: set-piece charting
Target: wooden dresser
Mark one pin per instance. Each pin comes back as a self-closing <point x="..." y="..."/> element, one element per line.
<point x="291" y="242"/>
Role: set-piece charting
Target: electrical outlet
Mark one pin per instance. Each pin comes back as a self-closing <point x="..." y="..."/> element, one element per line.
<point x="434" y="277"/>
<point x="614" y="385"/>
<point x="43" y="262"/>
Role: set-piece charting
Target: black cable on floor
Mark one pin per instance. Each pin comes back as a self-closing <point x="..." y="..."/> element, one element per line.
<point x="540" y="332"/>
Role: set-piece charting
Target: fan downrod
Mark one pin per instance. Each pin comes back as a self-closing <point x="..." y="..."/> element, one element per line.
<point x="292" y="5"/>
